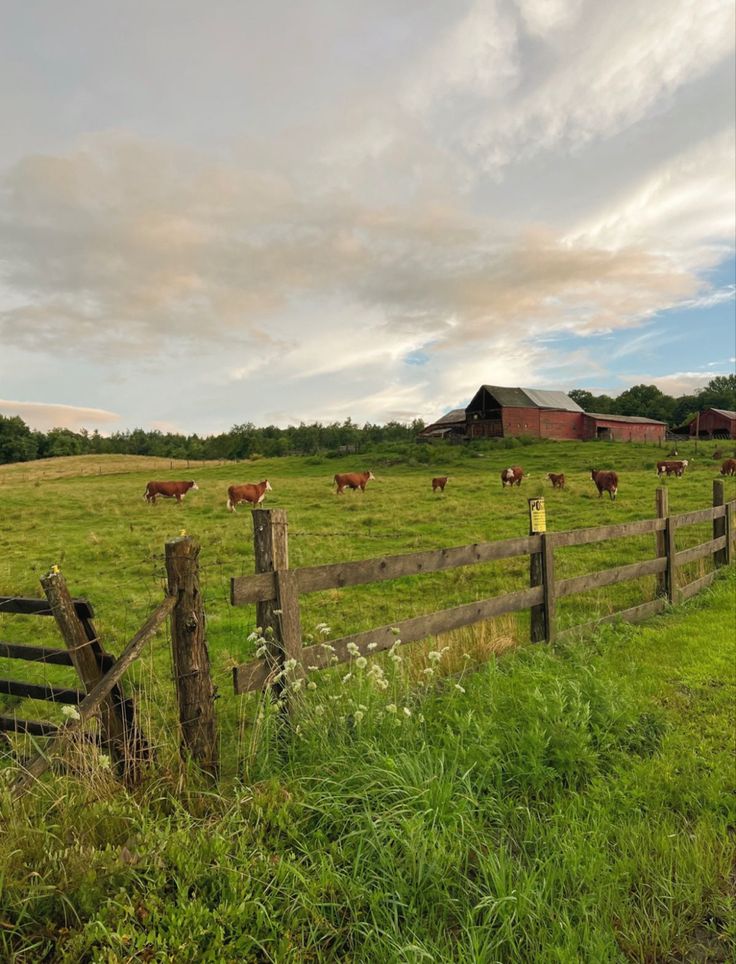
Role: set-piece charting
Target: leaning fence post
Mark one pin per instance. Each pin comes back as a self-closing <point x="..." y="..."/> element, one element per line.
<point x="279" y="618"/>
<point x="663" y="511"/>
<point x="195" y="691"/>
<point x="114" y="731"/>
<point x="720" y="556"/>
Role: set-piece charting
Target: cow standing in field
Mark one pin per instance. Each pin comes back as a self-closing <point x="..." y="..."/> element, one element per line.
<point x="352" y="480"/>
<point x="729" y="467"/>
<point x="253" y="492"/>
<point x="558" y="481"/>
<point x="672" y="468"/>
<point x="169" y="490"/>
<point x="605" y="482"/>
<point x="512" y="476"/>
<point x="439" y="483"/>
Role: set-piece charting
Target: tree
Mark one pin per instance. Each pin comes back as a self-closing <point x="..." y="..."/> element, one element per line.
<point x="647" y="401"/>
<point x="17" y="442"/>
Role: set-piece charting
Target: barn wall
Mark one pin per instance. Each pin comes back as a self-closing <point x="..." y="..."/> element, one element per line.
<point x="520" y="421"/>
<point x="623" y="431"/>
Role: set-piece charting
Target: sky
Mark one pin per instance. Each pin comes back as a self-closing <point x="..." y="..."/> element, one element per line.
<point x="236" y="212"/>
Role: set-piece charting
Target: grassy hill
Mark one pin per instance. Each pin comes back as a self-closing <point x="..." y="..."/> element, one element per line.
<point x="558" y="805"/>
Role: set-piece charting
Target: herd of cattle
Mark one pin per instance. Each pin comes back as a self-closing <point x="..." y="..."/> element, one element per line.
<point x="254" y="493"/>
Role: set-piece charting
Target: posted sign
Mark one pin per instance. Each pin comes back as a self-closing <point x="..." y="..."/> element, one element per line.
<point x="537" y="516"/>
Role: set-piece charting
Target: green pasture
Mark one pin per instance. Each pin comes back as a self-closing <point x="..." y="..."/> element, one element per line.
<point x="109" y="543"/>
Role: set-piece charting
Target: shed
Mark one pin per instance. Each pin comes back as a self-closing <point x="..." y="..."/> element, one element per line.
<point x="623" y="428"/>
<point x="451" y="425"/>
<point x="714" y="423"/>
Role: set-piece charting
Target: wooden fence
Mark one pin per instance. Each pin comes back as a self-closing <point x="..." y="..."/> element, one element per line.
<point x="275" y="588"/>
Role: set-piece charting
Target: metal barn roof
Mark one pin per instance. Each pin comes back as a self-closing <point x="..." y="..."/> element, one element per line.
<point x="722" y="411"/>
<point x="531" y="398"/>
<point x="632" y="419"/>
<point x="455" y="416"/>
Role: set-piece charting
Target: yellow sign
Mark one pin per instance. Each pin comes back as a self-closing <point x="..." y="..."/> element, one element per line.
<point x="537" y="515"/>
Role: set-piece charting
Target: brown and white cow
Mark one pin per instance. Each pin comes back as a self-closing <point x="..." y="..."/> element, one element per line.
<point x="605" y="482"/>
<point x="512" y="476"/>
<point x="558" y="481"/>
<point x="168" y="490"/>
<point x="352" y="480"/>
<point x="729" y="467"/>
<point x="672" y="468"/>
<point x="439" y="483"/>
<point x="253" y="492"/>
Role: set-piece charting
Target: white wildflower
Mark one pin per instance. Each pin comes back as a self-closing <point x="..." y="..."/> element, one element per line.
<point x="296" y="684"/>
<point x="71" y="712"/>
<point x="434" y="656"/>
<point x="262" y="651"/>
<point x="396" y="659"/>
<point x="325" y="630"/>
<point x="372" y="646"/>
<point x="311" y="685"/>
<point x="460" y="688"/>
<point x="346" y="677"/>
<point x="361" y="662"/>
<point x="328" y="646"/>
<point x="358" y="716"/>
<point x="407" y="711"/>
<point x="319" y="710"/>
<point x="382" y="684"/>
<point x="312" y="668"/>
<point x="252" y="637"/>
<point x="466" y="656"/>
<point x="334" y="659"/>
<point x="353" y="649"/>
<point x="289" y="665"/>
<point x="421" y="718"/>
<point x="104" y="761"/>
<point x="391" y="708"/>
<point x="429" y="671"/>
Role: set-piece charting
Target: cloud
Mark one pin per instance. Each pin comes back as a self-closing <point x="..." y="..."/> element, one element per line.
<point x="43" y="416"/>
<point x="675" y="383"/>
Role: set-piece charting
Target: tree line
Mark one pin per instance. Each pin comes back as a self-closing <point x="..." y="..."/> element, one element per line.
<point x="648" y="401"/>
<point x="19" y="443"/>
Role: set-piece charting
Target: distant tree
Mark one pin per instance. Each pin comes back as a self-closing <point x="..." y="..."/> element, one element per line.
<point x="17" y="442"/>
<point x="720" y="392"/>
<point x="583" y="398"/>
<point x="647" y="401"/>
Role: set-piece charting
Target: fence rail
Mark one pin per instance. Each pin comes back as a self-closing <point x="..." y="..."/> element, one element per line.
<point x="276" y="589"/>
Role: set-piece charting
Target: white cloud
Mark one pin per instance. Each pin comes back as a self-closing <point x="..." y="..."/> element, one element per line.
<point x="43" y="416"/>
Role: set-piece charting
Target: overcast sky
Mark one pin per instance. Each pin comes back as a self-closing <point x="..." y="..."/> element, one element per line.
<point x="213" y="213"/>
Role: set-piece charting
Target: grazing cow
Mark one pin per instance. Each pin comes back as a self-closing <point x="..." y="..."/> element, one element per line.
<point x="729" y="467"/>
<point x="512" y="476"/>
<point x="672" y="468"/>
<point x="352" y="480"/>
<point x="606" y="482"/>
<point x="439" y="483"/>
<point x="169" y="490"/>
<point x="558" y="481"/>
<point x="249" y="492"/>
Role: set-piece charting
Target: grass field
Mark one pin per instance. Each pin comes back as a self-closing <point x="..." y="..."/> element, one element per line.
<point x="569" y="805"/>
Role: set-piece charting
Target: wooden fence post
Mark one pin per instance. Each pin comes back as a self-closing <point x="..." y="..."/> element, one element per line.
<point x="671" y="570"/>
<point x="720" y="527"/>
<point x="663" y="510"/>
<point x="194" y="688"/>
<point x="279" y="618"/>
<point x="548" y="584"/>
<point x="115" y="735"/>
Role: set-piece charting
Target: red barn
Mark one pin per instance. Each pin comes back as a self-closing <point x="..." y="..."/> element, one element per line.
<point x="714" y="423"/>
<point x="623" y="428"/>
<point x="450" y="426"/>
<point x="497" y="412"/>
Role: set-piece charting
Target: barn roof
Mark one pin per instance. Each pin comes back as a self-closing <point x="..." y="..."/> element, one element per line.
<point x="632" y="419"/>
<point x="531" y="398"/>
<point x="722" y="411"/>
<point x="451" y="418"/>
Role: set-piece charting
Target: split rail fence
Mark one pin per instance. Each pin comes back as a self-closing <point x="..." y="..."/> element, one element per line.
<point x="275" y="588"/>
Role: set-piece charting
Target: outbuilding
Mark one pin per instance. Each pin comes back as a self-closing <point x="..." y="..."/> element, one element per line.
<point x="498" y="412"/>
<point x="623" y="428"/>
<point x="714" y="423"/>
<point x="451" y="425"/>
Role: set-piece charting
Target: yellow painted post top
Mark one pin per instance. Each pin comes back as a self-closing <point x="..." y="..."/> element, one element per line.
<point x="537" y="516"/>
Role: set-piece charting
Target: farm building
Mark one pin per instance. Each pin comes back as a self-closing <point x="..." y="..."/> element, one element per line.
<point x="499" y="412"/>
<point x="623" y="428"/>
<point x="450" y="426"/>
<point x="496" y="412"/>
<point x="714" y="423"/>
